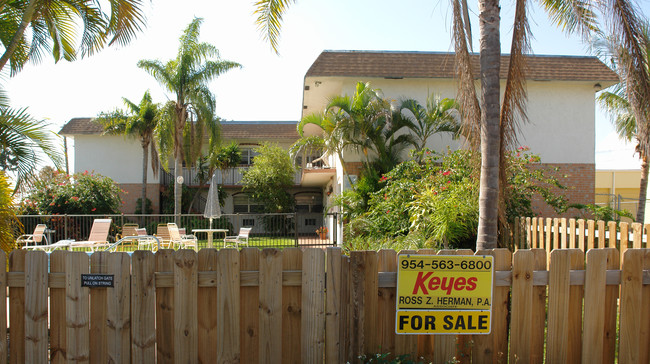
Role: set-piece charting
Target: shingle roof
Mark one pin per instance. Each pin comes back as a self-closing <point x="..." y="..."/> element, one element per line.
<point x="78" y="126"/>
<point x="262" y="130"/>
<point x="259" y="130"/>
<point x="442" y="65"/>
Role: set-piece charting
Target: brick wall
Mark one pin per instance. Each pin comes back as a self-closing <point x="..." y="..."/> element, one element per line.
<point x="133" y="191"/>
<point x="580" y="180"/>
<point x="354" y="168"/>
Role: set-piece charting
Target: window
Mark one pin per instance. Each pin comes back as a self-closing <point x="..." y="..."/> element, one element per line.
<point x="242" y="204"/>
<point x="310" y="222"/>
<point x="309" y="202"/>
<point x="309" y="159"/>
<point x="247" y="156"/>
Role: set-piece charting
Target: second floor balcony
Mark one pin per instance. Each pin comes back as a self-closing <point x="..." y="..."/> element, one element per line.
<point x="227" y="177"/>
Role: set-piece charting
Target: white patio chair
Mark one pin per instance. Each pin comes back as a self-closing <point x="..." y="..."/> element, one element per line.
<point x="35" y="238"/>
<point x="239" y="239"/>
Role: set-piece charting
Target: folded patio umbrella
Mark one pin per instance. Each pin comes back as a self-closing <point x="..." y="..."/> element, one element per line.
<point x="212" y="206"/>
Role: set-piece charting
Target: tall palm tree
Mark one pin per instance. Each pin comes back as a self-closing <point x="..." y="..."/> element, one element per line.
<point x="141" y="122"/>
<point x="54" y="26"/>
<point x="23" y="141"/>
<point x="185" y="119"/>
<point x="424" y="121"/>
<point x="618" y="103"/>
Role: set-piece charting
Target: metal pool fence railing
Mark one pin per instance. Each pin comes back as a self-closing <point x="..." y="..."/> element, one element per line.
<point x="269" y="230"/>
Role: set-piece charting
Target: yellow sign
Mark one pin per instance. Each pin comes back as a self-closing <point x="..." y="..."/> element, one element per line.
<point x="437" y="282"/>
<point x="442" y="322"/>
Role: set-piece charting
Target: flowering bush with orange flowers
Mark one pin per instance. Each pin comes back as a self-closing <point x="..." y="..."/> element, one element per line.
<point x="57" y="193"/>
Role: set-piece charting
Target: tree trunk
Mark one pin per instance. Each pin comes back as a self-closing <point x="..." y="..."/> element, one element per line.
<point x="26" y="19"/>
<point x="490" y="61"/>
<point x="178" y="189"/>
<point x="178" y="157"/>
<point x="643" y="190"/>
<point x="145" y="160"/>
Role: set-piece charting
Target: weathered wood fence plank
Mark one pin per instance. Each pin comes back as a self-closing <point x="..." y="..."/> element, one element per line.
<point x="164" y="311"/>
<point x="270" y="306"/>
<point x="313" y="308"/>
<point x="228" y="301"/>
<point x="493" y="348"/>
<point x="630" y="336"/>
<point x="333" y="309"/>
<point x="57" y="312"/>
<point x="17" y="311"/>
<point x="207" y="334"/>
<point x="291" y="306"/>
<point x="77" y="308"/>
<point x="249" y="333"/>
<point x="36" y="282"/>
<point x="143" y="307"/>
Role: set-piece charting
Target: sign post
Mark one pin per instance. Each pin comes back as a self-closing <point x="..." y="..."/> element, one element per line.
<point x="444" y="294"/>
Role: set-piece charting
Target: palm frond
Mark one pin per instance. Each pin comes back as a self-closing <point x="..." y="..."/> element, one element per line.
<point x="22" y="140"/>
<point x="269" y="19"/>
<point x="466" y="97"/>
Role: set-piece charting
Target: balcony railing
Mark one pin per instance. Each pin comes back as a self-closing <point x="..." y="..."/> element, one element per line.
<point x="228" y="177"/>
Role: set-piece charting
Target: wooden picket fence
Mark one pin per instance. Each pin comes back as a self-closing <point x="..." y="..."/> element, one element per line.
<point x="562" y="233"/>
<point x="313" y="306"/>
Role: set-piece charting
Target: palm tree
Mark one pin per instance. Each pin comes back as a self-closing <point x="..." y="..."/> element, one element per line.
<point x="363" y="122"/>
<point x="192" y="113"/>
<point x="221" y="158"/>
<point x="141" y="122"/>
<point x="22" y="139"/>
<point x="495" y="123"/>
<point x="617" y="102"/>
<point x="53" y="27"/>
<point x="424" y="121"/>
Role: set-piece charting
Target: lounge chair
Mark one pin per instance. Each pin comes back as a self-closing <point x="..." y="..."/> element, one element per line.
<point x="128" y="230"/>
<point x="61" y="244"/>
<point x="98" y="237"/>
<point x="182" y="241"/>
<point x="239" y="239"/>
<point x="162" y="233"/>
<point x="36" y="238"/>
<point x="146" y="242"/>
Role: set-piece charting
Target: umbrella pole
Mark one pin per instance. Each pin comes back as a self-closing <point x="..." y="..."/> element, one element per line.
<point x="210" y="223"/>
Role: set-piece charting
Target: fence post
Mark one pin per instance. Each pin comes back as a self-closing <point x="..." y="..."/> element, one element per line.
<point x="295" y="228"/>
<point x="65" y="226"/>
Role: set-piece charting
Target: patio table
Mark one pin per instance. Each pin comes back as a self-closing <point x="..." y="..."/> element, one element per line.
<point x="209" y="232"/>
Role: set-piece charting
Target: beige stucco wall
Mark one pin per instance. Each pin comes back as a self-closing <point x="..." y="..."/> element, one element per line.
<point x="561" y="114"/>
<point x="623" y="183"/>
<point x="113" y="156"/>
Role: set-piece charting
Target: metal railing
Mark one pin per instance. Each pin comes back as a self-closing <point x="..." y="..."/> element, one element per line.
<point x="229" y="177"/>
<point x="269" y="230"/>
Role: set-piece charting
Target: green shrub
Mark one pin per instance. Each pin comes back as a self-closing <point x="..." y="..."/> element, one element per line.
<point x="147" y="207"/>
<point x="56" y="193"/>
<point x="10" y="227"/>
<point x="434" y="203"/>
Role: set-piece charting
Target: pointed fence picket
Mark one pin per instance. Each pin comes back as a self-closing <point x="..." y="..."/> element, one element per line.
<point x="316" y="306"/>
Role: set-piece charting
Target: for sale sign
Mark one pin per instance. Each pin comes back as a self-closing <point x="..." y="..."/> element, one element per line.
<point x="444" y="294"/>
<point x="442" y="322"/>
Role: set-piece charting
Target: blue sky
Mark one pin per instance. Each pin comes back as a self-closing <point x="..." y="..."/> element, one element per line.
<point x="269" y="86"/>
